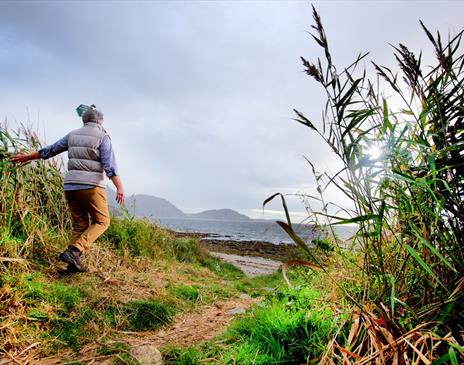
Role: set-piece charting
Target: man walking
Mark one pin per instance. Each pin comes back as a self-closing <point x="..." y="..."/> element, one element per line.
<point x="90" y="156"/>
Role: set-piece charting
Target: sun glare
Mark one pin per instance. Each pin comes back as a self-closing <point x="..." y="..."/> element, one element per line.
<point x="374" y="152"/>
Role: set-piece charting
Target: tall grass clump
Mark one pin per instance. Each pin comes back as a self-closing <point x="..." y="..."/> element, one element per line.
<point x="400" y="142"/>
<point x="289" y="328"/>
<point x="140" y="237"/>
<point x="33" y="210"/>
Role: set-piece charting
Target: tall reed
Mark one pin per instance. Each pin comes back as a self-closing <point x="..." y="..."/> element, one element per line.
<point x="33" y="214"/>
<point x="400" y="140"/>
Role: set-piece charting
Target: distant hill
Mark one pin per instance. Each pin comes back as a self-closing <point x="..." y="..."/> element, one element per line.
<point x="146" y="206"/>
<point x="150" y="206"/>
<point x="226" y="214"/>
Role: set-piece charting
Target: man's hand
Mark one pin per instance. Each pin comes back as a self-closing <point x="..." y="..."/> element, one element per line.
<point x="22" y="158"/>
<point x="120" y="196"/>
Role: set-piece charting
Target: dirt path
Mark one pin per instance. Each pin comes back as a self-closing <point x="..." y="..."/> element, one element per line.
<point x="191" y="328"/>
<point x="200" y="325"/>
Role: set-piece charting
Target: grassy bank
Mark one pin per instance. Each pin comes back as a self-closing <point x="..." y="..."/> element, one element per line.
<point x="142" y="279"/>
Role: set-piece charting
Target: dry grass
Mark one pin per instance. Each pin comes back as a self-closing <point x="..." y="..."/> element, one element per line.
<point x="370" y="341"/>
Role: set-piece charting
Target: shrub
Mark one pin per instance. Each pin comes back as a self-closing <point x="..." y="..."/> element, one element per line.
<point x="188" y="250"/>
<point x="138" y="236"/>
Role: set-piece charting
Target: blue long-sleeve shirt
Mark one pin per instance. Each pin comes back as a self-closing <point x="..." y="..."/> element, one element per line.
<point x="107" y="157"/>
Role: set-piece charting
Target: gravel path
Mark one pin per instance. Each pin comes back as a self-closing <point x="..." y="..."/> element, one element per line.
<point x="251" y="266"/>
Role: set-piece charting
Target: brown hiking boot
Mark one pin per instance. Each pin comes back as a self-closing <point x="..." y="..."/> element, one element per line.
<point x="72" y="256"/>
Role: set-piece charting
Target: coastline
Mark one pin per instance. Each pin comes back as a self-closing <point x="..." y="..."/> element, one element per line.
<point x="262" y="249"/>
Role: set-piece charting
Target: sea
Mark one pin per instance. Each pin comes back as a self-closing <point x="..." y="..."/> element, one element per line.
<point x="246" y="230"/>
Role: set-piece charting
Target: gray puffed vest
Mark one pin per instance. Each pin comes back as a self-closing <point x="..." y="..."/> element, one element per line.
<point x="84" y="164"/>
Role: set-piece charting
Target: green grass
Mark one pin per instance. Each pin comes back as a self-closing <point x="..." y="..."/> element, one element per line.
<point x="70" y="330"/>
<point x="187" y="250"/>
<point x="261" y="281"/>
<point x="264" y="285"/>
<point x="139" y="236"/>
<point x="223" y="269"/>
<point x="35" y="290"/>
<point x="145" y="315"/>
<point x="139" y="315"/>
<point x="190" y="294"/>
<point x="179" y="356"/>
<point x="289" y="327"/>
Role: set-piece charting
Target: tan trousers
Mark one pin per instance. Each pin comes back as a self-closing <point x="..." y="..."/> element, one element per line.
<point x="85" y="204"/>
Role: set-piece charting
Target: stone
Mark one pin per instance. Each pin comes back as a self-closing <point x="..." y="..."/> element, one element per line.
<point x="236" y="310"/>
<point x="147" y="355"/>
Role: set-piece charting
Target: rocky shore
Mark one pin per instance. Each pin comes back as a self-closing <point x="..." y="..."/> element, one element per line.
<point x="267" y="250"/>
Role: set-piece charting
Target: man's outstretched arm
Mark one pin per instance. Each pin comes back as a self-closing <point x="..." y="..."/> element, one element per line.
<point x="44" y="153"/>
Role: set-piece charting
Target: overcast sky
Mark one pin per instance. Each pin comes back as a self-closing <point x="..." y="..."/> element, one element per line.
<point x="197" y="96"/>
